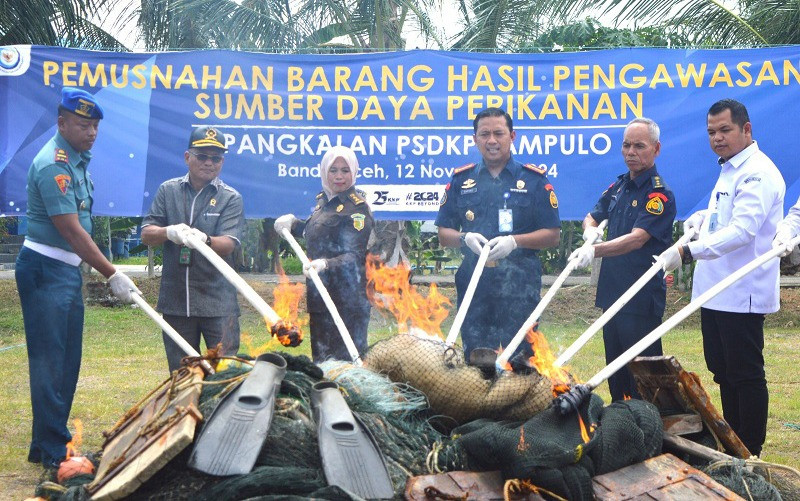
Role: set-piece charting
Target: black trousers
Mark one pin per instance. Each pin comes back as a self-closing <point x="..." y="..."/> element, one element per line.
<point x="620" y="333"/>
<point x="733" y="345"/>
<point x="326" y="341"/>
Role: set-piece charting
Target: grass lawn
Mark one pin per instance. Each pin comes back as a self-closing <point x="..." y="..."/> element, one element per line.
<point x="123" y="360"/>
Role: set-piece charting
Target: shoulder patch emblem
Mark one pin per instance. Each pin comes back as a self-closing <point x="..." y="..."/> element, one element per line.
<point x="662" y="196"/>
<point x="535" y="168"/>
<point x="655" y="206"/>
<point x="444" y="198"/>
<point x="61" y="156"/>
<point x="463" y="168"/>
<point x="63" y="181"/>
<point x="657" y="182"/>
<point x="358" y="221"/>
<point x="356" y="200"/>
<point x="553" y="199"/>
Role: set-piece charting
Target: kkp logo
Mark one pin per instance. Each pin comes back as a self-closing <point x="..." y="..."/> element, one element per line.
<point x="14" y="59"/>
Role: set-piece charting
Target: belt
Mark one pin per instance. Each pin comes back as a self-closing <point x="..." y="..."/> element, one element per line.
<point x="56" y="253"/>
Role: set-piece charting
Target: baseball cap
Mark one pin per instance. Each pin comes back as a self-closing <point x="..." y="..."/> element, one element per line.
<point x="205" y="136"/>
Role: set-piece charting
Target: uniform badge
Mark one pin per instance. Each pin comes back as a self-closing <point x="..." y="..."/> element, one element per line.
<point x="358" y="221"/>
<point x="553" y="200"/>
<point x="61" y="156"/>
<point x="520" y="184"/>
<point x="84" y="108"/>
<point x="213" y="202"/>
<point x="469" y="215"/>
<point x="635" y="203"/>
<point x="83" y="205"/>
<point x="655" y="205"/>
<point x="63" y="180"/>
<point x="339" y="208"/>
<point x="469" y="183"/>
<point x="444" y="198"/>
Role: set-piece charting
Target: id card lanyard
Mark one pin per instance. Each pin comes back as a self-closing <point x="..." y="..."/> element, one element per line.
<point x="505" y="216"/>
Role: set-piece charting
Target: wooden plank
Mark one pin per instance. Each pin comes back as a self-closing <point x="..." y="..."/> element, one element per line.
<point x="662" y="477"/>
<point x="149" y="436"/>
<point x="698" y="450"/>
<point x="662" y="381"/>
<point x="682" y="424"/>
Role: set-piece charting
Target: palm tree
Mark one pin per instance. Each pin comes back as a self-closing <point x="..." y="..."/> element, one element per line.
<point x="65" y="23"/>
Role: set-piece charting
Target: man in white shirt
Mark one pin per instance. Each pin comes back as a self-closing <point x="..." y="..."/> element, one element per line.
<point x="739" y="224"/>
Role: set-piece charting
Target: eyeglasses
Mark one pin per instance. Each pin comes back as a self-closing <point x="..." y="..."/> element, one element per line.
<point x="203" y="158"/>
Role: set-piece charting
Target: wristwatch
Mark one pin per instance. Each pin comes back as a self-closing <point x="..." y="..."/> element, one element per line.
<point x="687" y="255"/>
<point x="208" y="240"/>
<point x="461" y="238"/>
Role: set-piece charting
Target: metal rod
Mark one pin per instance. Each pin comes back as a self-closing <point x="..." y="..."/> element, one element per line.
<point x="170" y="331"/>
<point x="502" y="359"/>
<point x="238" y="282"/>
<point x="473" y="284"/>
<point x="618" y="304"/>
<point x="684" y="312"/>
<point x="326" y="298"/>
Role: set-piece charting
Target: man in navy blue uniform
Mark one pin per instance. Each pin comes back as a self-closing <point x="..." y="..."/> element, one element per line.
<point x="512" y="208"/>
<point x="640" y="210"/>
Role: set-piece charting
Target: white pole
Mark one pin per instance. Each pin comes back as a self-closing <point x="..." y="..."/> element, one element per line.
<point x="502" y="359"/>
<point x="326" y="298"/>
<point x="687" y="310"/>
<point x="473" y="284"/>
<point x="618" y="304"/>
<point x="170" y="331"/>
<point x="238" y="282"/>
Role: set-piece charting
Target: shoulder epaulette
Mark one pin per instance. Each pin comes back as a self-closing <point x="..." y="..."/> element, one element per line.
<point x="61" y="156"/>
<point x="463" y="168"/>
<point x="535" y="168"/>
<point x="361" y="193"/>
<point x="657" y="182"/>
<point x="356" y="199"/>
<point x="320" y="194"/>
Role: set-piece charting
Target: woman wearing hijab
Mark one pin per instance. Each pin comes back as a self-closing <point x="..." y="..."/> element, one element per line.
<point x="336" y="243"/>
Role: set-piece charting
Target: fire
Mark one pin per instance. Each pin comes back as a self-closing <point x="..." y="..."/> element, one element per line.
<point x="389" y="289"/>
<point x="543" y="360"/>
<point x="584" y="432"/>
<point x="287" y="306"/>
<point x="77" y="439"/>
<point x="625" y="396"/>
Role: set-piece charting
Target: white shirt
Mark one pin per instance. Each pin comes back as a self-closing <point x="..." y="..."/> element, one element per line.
<point x="743" y="213"/>
<point x="792" y="220"/>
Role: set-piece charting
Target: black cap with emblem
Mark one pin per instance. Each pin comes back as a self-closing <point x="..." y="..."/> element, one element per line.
<point x="206" y="136"/>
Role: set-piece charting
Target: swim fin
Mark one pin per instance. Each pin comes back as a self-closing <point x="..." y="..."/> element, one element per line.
<point x="350" y="455"/>
<point x="232" y="437"/>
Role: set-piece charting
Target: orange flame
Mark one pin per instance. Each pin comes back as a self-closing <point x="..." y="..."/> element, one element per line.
<point x="584" y="432"/>
<point x="543" y="361"/>
<point x="389" y="289"/>
<point x="77" y="439"/>
<point x="287" y="306"/>
<point x="625" y="396"/>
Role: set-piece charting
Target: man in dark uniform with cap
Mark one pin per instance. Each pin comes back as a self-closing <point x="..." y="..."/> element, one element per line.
<point x="60" y="197"/>
<point x="640" y="210"/>
<point x="195" y="298"/>
<point x="512" y="208"/>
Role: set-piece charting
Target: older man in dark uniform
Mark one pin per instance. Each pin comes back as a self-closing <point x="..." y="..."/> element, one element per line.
<point x="512" y="208"/>
<point x="640" y="210"/>
<point x="60" y="198"/>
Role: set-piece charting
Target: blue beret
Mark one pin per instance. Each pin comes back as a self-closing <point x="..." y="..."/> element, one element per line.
<point x="80" y="102"/>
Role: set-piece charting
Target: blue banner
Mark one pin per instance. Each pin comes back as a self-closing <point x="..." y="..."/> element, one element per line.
<point x="408" y="116"/>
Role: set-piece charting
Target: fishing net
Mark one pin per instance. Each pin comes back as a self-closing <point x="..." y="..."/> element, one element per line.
<point x="757" y="480"/>
<point x="453" y="388"/>
<point x="561" y="453"/>
<point x="289" y="465"/>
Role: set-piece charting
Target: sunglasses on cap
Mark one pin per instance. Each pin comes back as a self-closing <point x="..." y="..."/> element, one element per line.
<point x="202" y="157"/>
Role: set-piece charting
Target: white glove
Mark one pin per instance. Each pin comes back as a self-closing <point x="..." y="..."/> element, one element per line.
<point x="175" y="233"/>
<point x="592" y="234"/>
<point x="501" y="247"/>
<point x="694" y="222"/>
<point x="782" y="239"/>
<point x="670" y="259"/>
<point x="286" y="221"/>
<point x="582" y="256"/>
<point x="197" y="234"/>
<point x="319" y="265"/>
<point x="122" y="286"/>
<point x="475" y="242"/>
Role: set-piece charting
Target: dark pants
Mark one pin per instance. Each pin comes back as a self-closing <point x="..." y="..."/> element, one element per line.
<point x="733" y="345"/>
<point x="620" y="333"/>
<point x="501" y="304"/>
<point x="326" y="341"/>
<point x="215" y="330"/>
<point x="52" y="311"/>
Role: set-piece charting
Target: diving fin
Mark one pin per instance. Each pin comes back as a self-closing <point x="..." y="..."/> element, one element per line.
<point x="232" y="437"/>
<point x="350" y="455"/>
